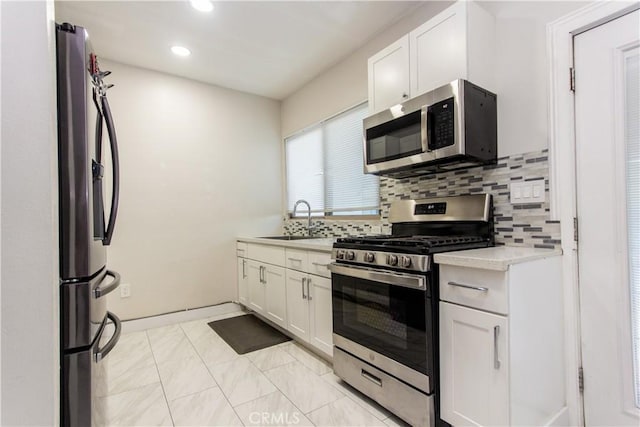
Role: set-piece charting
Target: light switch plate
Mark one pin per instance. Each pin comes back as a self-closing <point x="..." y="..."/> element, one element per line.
<point x="527" y="192"/>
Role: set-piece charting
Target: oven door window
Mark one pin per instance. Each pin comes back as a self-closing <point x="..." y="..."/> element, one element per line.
<point x="388" y="319"/>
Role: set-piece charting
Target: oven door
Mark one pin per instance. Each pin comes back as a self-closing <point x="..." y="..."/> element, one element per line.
<point x="389" y="313"/>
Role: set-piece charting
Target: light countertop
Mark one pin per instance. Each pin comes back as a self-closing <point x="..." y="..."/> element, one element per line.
<point x="323" y="244"/>
<point x="496" y="258"/>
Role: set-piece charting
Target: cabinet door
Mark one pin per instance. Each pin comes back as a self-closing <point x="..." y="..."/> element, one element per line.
<point x="439" y="50"/>
<point x="321" y="324"/>
<point x="474" y="364"/>
<point x="256" y="287"/>
<point x="297" y="304"/>
<point x="275" y="295"/>
<point x="243" y="281"/>
<point x="388" y="72"/>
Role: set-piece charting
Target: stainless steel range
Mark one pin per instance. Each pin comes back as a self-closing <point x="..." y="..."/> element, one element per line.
<point x="385" y="301"/>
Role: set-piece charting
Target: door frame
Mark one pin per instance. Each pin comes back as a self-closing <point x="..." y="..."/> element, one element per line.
<point x="562" y="172"/>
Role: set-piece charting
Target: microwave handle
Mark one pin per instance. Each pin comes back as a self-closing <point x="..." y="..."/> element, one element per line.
<point x="425" y="127"/>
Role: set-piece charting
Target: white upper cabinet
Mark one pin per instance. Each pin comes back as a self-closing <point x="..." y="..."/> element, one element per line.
<point x="389" y="76"/>
<point x="457" y="43"/>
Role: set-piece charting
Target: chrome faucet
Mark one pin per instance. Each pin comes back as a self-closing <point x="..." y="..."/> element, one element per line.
<point x="295" y="207"/>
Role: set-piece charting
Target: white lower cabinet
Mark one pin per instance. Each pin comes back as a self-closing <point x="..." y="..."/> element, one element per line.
<point x="275" y="295"/>
<point x="309" y="315"/>
<point x="267" y="291"/>
<point x="502" y="343"/>
<point x="297" y="304"/>
<point x="474" y="372"/>
<point x="243" y="281"/>
<point x="289" y="287"/>
<point x="321" y="314"/>
<point x="256" y="287"/>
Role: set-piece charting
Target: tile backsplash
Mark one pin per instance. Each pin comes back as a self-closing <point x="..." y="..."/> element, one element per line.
<point x="515" y="225"/>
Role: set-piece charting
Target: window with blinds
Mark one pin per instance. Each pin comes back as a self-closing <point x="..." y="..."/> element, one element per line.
<point x="324" y="167"/>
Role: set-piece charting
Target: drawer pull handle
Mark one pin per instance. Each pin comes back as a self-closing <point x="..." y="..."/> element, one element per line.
<point x="317" y="264"/>
<point x="294" y="259"/>
<point x="377" y="381"/>
<point x="496" y="360"/>
<point x="475" y="288"/>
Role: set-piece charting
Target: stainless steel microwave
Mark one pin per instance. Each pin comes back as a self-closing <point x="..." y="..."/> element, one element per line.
<point x="451" y="127"/>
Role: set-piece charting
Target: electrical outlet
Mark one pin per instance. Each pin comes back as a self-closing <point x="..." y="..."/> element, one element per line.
<point x="125" y="290"/>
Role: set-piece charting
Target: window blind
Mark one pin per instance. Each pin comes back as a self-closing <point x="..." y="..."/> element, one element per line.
<point x="325" y="167"/>
<point x="305" y="170"/>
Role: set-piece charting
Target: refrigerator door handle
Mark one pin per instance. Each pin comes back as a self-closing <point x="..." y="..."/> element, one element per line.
<point x="115" y="195"/>
<point x="100" y="291"/>
<point x="104" y="351"/>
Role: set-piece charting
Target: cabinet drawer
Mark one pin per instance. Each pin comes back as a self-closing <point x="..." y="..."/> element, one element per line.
<point x="242" y="249"/>
<point x="476" y="288"/>
<point x="297" y="259"/>
<point x="318" y="262"/>
<point x="269" y="254"/>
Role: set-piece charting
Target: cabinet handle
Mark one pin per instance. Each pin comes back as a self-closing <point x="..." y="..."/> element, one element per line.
<point x="308" y="290"/>
<point x="244" y="268"/>
<point x="496" y="360"/>
<point x="475" y="288"/>
<point x="377" y="381"/>
<point x="304" y="280"/>
<point x="294" y="259"/>
<point x="405" y="96"/>
<point x="317" y="264"/>
<point x="262" y="274"/>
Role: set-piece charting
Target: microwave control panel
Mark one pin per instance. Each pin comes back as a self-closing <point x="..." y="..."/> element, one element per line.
<point x="440" y="124"/>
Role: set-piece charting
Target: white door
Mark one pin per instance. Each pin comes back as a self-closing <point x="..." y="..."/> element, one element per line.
<point x="243" y="279"/>
<point x="474" y="366"/>
<point x="297" y="305"/>
<point x="388" y="72"/>
<point x="256" y="286"/>
<point x="275" y="295"/>
<point x="438" y="50"/>
<point x="321" y="314"/>
<point x="608" y="205"/>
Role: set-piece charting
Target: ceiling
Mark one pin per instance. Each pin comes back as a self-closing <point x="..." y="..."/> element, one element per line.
<point x="266" y="48"/>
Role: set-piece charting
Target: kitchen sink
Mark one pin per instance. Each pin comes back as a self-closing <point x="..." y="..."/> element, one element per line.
<point x="289" y="237"/>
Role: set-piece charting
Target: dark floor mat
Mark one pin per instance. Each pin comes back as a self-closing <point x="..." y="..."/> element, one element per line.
<point x="247" y="333"/>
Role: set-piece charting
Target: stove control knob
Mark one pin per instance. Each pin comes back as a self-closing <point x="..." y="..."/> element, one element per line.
<point x="369" y="257"/>
<point x="406" y="261"/>
<point x="351" y="255"/>
<point x="392" y="259"/>
<point x="340" y="254"/>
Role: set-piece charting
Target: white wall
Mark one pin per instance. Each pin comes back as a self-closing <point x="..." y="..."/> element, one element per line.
<point x="520" y="74"/>
<point x="200" y="165"/>
<point x="345" y="84"/>
<point x="29" y="306"/>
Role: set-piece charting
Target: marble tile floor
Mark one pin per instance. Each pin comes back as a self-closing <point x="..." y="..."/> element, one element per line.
<point x="186" y="375"/>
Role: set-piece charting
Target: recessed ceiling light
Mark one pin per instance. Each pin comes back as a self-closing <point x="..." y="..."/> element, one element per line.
<point x="202" y="5"/>
<point x="180" y="51"/>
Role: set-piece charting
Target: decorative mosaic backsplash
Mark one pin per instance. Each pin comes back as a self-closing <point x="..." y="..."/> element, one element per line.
<point x="515" y="225"/>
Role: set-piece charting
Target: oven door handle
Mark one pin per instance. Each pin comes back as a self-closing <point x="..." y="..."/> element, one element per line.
<point x="389" y="277"/>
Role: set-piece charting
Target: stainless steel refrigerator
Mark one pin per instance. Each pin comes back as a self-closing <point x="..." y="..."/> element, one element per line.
<point x="85" y="280"/>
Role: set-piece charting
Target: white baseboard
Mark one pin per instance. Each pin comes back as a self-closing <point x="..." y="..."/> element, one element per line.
<point x="179" y="317"/>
